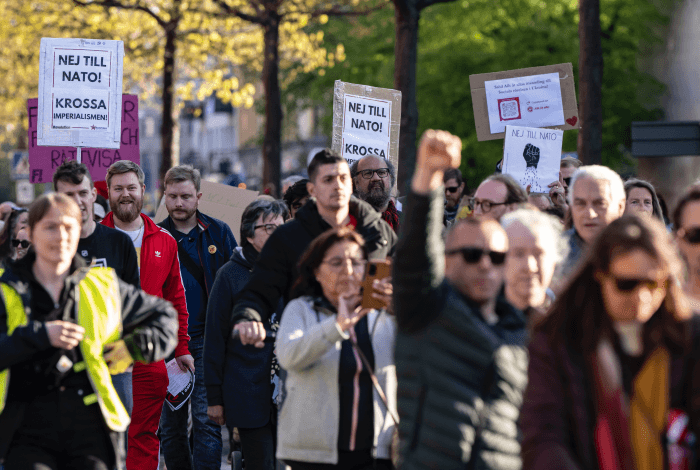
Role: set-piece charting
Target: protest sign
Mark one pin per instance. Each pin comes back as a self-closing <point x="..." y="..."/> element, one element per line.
<point x="25" y="192"/>
<point x="366" y="121"/>
<point x="543" y="97"/>
<point x="43" y="161"/>
<point x="532" y="156"/>
<point x="220" y="201"/>
<point x="20" y="165"/>
<point x="80" y="89"/>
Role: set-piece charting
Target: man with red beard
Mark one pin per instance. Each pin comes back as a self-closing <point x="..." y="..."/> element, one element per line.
<point x="160" y="275"/>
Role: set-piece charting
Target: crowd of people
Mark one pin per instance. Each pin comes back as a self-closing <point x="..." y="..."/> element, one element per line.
<point x="345" y="328"/>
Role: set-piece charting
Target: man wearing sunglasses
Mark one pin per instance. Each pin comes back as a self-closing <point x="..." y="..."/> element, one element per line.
<point x="454" y="188"/>
<point x="460" y="351"/>
<point x="686" y="225"/>
<point x="373" y="177"/>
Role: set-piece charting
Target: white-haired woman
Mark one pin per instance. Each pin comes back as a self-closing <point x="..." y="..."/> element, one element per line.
<point x="536" y="249"/>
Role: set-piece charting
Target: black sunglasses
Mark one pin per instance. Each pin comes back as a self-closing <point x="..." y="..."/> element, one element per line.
<point x="452" y="189"/>
<point x="692" y="235"/>
<point x="630" y="284"/>
<point x="474" y="255"/>
<point x="22" y="243"/>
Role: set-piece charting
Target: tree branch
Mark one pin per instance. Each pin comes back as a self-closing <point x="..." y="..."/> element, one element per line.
<point x="237" y="12"/>
<point x="117" y="4"/>
<point x="338" y="11"/>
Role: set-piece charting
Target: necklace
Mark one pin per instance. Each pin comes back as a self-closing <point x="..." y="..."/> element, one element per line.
<point x="133" y="239"/>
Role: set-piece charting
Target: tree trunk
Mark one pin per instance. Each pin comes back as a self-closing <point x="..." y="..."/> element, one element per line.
<point x="272" y="143"/>
<point x="590" y="69"/>
<point x="406" y="55"/>
<point x="169" y="122"/>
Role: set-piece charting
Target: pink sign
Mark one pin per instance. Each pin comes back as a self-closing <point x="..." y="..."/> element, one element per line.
<point x="43" y="161"/>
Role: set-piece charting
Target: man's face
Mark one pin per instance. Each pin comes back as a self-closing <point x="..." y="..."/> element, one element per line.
<point x="332" y="186"/>
<point x="83" y="194"/>
<point x="541" y="201"/>
<point x="690" y="224"/>
<point x="494" y="193"/>
<point x="593" y="207"/>
<point x="375" y="190"/>
<point x="567" y="171"/>
<point x="182" y="200"/>
<point x="453" y="192"/>
<point x="126" y="196"/>
<point x="480" y="281"/>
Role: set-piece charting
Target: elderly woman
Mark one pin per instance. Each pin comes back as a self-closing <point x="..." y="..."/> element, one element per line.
<point x="331" y="416"/>
<point x="642" y="199"/>
<point x="58" y="407"/>
<point x="615" y="362"/>
<point x="240" y="391"/>
<point x="536" y="248"/>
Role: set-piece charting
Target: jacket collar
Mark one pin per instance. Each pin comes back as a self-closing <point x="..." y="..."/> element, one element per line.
<point x="19" y="273"/>
<point x="362" y="211"/>
<point x="203" y="222"/>
<point x="150" y="227"/>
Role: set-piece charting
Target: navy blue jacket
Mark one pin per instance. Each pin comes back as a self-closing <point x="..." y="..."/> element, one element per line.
<point x="236" y="376"/>
<point x="215" y="247"/>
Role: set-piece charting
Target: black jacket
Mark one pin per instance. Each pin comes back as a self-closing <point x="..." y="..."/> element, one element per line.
<point x="236" y="376"/>
<point x="149" y="332"/>
<point x="276" y="269"/>
<point x="460" y="380"/>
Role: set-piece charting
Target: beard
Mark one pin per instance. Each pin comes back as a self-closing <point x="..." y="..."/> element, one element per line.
<point x="123" y="213"/>
<point x="376" y="196"/>
<point x="183" y="214"/>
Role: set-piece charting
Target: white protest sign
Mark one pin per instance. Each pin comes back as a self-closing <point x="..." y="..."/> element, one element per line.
<point x="532" y="156"/>
<point x="366" y="121"/>
<point x="532" y="101"/>
<point x="80" y="93"/>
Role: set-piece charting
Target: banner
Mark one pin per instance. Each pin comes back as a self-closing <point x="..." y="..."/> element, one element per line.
<point x="532" y="156"/>
<point x="80" y="89"/>
<point x="366" y="121"/>
<point x="43" y="161"/>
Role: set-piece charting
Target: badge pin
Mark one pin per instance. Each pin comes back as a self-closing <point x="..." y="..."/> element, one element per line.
<point x="212" y="249"/>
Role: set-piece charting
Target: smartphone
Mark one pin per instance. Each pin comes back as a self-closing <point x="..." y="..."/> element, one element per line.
<point x="376" y="269"/>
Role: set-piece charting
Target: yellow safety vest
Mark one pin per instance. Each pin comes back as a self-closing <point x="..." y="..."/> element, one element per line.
<point x="99" y="312"/>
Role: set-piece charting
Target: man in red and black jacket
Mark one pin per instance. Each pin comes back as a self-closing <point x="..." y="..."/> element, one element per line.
<point x="159" y="267"/>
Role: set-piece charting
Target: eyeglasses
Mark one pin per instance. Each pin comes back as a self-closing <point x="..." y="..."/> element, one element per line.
<point x="356" y="263"/>
<point x="628" y="285"/>
<point x="485" y="204"/>
<point x="269" y="228"/>
<point x="691" y="235"/>
<point x="23" y="243"/>
<point x="367" y="174"/>
<point x="453" y="189"/>
<point x="474" y="255"/>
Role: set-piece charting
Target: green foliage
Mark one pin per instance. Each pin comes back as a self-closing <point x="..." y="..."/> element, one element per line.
<point x="466" y="37"/>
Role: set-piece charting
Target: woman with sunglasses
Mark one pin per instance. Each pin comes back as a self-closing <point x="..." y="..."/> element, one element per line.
<point x="615" y="363"/>
<point x="15" y="221"/>
<point x="686" y="226"/>
<point x="64" y="329"/>
<point x="332" y="415"/>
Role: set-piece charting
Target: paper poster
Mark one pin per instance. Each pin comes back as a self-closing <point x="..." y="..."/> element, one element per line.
<point x="532" y="156"/>
<point x="533" y="101"/>
<point x="43" y="161"/>
<point x="517" y="97"/>
<point x="20" y="165"/>
<point x="220" y="201"/>
<point x="80" y="88"/>
<point x="180" y="385"/>
<point x="366" y="121"/>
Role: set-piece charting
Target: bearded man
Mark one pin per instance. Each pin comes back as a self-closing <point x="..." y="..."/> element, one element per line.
<point x="373" y="178"/>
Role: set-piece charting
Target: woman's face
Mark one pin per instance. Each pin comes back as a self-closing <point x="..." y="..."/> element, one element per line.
<point x="55" y="237"/>
<point x="530" y="266"/>
<point x="22" y="237"/>
<point x="263" y="230"/>
<point x="634" y="287"/>
<point x="341" y="270"/>
<point x="639" y="202"/>
<point x="21" y="223"/>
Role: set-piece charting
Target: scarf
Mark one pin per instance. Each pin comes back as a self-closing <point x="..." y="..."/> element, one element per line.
<point x="628" y="432"/>
<point x="391" y="216"/>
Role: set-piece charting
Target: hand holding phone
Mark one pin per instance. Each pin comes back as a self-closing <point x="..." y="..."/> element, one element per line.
<point x="374" y="286"/>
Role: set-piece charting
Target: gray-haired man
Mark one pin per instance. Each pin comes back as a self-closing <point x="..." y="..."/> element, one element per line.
<point x="373" y="177"/>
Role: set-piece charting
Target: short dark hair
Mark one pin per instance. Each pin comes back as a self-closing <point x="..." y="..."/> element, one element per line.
<point x="46" y="202"/>
<point x="71" y="172"/>
<point x="295" y="192"/>
<point x="515" y="193"/>
<point x="264" y="207"/>
<point x="389" y="166"/>
<point x="453" y="173"/>
<point x="306" y="283"/>
<point x="692" y="194"/>
<point x="324" y="157"/>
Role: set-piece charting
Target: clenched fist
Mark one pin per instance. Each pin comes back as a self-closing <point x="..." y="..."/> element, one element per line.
<point x="438" y="151"/>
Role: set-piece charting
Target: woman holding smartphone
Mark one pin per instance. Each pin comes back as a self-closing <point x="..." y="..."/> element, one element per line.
<point x="330" y="347"/>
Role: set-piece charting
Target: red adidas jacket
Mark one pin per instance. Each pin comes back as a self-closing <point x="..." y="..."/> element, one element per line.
<point x="160" y="272"/>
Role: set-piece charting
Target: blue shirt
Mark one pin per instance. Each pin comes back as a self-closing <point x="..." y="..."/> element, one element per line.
<point x="195" y="295"/>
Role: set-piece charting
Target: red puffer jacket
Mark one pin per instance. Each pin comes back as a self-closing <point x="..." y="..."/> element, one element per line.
<point x="160" y="272"/>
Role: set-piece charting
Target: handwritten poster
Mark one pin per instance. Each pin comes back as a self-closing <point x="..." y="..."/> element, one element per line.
<point x="532" y="156"/>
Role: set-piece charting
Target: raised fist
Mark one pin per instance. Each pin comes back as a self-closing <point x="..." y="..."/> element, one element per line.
<point x="531" y="155"/>
<point x="438" y="151"/>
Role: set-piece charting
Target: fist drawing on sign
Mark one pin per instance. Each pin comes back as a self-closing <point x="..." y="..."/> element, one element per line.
<point x="531" y="155"/>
